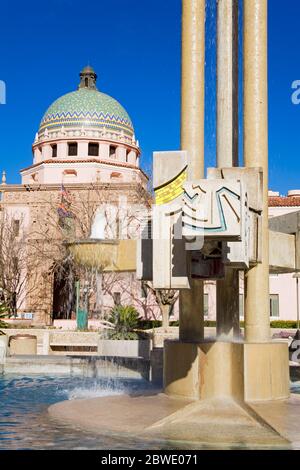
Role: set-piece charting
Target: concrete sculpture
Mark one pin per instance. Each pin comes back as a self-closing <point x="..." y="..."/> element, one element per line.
<point x="211" y="228"/>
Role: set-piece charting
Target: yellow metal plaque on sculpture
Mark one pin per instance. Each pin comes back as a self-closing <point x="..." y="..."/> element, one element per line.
<point x="171" y="190"/>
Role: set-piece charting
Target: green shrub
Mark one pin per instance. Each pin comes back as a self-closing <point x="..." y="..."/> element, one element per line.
<point x="149" y="324"/>
<point x="283" y="324"/>
<point x="125" y="320"/>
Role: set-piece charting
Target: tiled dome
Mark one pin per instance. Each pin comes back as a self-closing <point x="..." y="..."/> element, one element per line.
<point x="87" y="108"/>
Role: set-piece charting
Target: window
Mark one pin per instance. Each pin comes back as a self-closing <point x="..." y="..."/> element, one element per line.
<point x="93" y="150"/>
<point x="117" y="298"/>
<point x="70" y="173"/>
<point x="54" y="150"/>
<point x="205" y="306"/>
<point x="274" y="305"/>
<point x="127" y="154"/>
<point x="86" y="82"/>
<point x="72" y="149"/>
<point x="112" y="151"/>
<point x="16" y="227"/>
<point x="115" y="175"/>
<point x="241" y="305"/>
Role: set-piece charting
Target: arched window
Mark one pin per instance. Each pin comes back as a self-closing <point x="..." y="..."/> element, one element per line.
<point x="86" y="82"/>
<point x="112" y="151"/>
<point x="54" y="150"/>
<point x="93" y="149"/>
<point x="72" y="149"/>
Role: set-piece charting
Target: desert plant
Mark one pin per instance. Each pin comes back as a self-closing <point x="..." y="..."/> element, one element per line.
<point x="125" y="319"/>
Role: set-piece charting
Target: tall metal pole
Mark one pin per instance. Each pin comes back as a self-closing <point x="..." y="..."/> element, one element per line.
<point x="257" y="309"/>
<point x="227" y="147"/>
<point x="191" y="319"/>
<point x="77" y="291"/>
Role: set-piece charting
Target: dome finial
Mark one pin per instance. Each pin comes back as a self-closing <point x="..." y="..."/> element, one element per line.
<point x="88" y="78"/>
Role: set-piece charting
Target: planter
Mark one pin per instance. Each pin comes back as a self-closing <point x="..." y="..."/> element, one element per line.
<point x="22" y="344"/>
<point x="124" y="348"/>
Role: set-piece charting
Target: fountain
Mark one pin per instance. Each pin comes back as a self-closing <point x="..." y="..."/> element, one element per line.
<point x="102" y="255"/>
<point x="105" y="254"/>
<point x="227" y="390"/>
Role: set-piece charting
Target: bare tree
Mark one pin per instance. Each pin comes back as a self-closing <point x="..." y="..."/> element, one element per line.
<point x="72" y="221"/>
<point x="19" y="269"/>
<point x="166" y="299"/>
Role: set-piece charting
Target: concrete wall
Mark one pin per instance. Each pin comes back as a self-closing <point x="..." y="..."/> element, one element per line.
<point x="55" y="342"/>
<point x="121" y="367"/>
<point x="46" y="337"/>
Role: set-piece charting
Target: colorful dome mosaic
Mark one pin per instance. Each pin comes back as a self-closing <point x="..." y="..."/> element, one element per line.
<point x="87" y="108"/>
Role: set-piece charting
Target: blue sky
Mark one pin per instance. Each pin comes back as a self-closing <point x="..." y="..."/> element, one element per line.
<point x="134" y="45"/>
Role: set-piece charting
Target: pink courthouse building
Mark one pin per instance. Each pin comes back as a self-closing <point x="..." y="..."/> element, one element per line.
<point x="86" y="145"/>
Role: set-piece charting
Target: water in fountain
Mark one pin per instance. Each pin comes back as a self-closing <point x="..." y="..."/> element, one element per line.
<point x="25" y="423"/>
<point x="210" y="84"/>
<point x="98" y="226"/>
<point x="24" y="419"/>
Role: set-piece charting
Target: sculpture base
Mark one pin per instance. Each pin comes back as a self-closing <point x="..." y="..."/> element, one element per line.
<point x="215" y="369"/>
<point x="266" y="371"/>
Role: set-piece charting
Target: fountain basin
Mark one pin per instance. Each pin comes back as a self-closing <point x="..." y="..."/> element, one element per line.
<point x="156" y="416"/>
<point x="105" y="255"/>
<point x="124" y="348"/>
<point x="88" y="366"/>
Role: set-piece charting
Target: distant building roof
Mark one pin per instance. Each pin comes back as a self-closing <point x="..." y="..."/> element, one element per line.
<point x="284" y="201"/>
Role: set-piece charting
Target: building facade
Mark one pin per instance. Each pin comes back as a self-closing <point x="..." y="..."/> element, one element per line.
<point x="85" y="181"/>
<point x="283" y="287"/>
